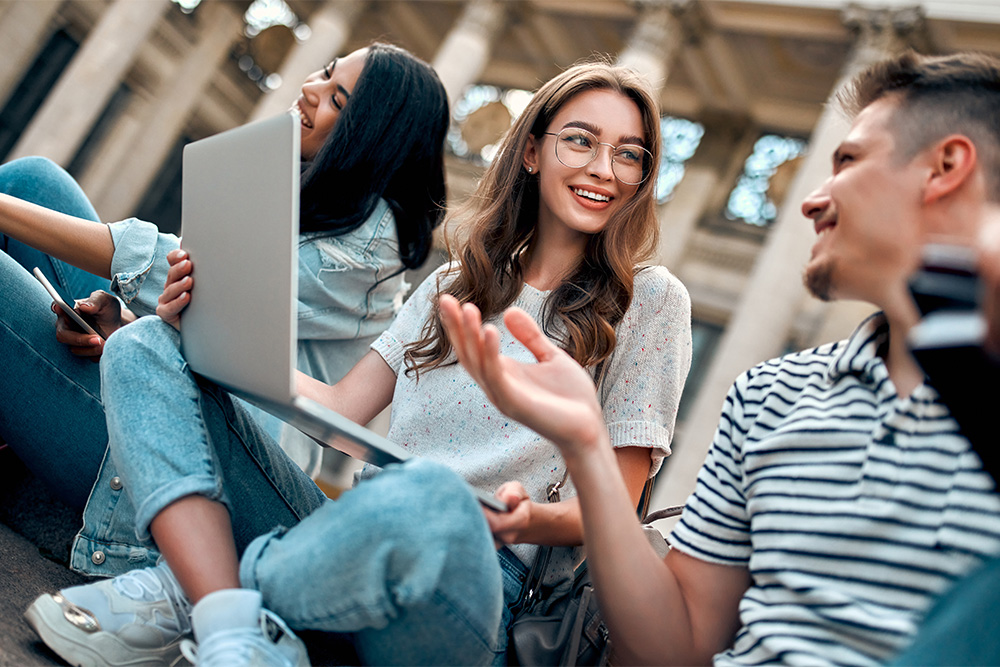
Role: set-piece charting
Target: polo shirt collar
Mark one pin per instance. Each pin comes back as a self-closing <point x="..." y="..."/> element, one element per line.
<point x="859" y="354"/>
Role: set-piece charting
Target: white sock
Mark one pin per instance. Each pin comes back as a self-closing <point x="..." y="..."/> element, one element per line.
<point x="228" y="609"/>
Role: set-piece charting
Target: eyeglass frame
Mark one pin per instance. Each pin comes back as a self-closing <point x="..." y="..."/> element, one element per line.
<point x="614" y="149"/>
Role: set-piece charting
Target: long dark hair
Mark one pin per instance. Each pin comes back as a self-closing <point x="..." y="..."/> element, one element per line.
<point x="387" y="143"/>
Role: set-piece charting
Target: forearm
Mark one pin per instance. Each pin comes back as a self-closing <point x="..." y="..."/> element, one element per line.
<point x="555" y="524"/>
<point x="641" y="599"/>
<point x="82" y="243"/>
<point x="360" y="396"/>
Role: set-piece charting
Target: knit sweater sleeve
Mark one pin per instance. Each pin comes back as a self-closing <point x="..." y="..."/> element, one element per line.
<point x="642" y="387"/>
<point x="410" y="321"/>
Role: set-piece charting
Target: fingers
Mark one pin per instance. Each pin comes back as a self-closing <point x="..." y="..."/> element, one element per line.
<point x="79" y="343"/>
<point x="507" y="527"/>
<point x="170" y="308"/>
<point x="525" y="329"/>
<point x="176" y="255"/>
<point x="512" y="493"/>
<point x="97" y="301"/>
<point x="103" y="310"/>
<point x="463" y="327"/>
<point x="177" y="292"/>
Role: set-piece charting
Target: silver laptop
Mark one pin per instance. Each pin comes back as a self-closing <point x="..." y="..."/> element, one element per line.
<point x="240" y="224"/>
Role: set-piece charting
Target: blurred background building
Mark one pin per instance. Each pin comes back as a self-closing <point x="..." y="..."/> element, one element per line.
<point x="113" y="89"/>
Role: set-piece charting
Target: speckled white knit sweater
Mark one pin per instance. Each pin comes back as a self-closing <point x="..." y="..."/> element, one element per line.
<point x="446" y="417"/>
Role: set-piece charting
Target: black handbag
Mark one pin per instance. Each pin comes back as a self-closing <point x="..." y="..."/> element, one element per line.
<point x="567" y="629"/>
<point x="570" y="631"/>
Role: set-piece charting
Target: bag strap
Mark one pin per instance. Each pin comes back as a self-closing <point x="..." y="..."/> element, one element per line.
<point x="664" y="513"/>
<point x="533" y="582"/>
<point x="536" y="574"/>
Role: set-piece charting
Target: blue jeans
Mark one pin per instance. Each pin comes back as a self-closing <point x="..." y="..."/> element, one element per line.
<point x="404" y="562"/>
<point x="50" y="406"/>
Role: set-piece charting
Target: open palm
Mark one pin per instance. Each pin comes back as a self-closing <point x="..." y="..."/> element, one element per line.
<point x="554" y="397"/>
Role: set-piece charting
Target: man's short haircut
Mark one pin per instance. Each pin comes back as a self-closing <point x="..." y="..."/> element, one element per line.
<point x="939" y="95"/>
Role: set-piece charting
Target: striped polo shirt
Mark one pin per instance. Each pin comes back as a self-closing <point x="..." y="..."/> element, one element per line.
<point x="851" y="507"/>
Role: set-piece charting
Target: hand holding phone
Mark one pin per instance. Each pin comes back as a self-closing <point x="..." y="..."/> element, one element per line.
<point x="62" y="302"/>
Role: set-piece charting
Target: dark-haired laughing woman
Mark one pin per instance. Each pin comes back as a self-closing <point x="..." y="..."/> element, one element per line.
<point x="373" y="126"/>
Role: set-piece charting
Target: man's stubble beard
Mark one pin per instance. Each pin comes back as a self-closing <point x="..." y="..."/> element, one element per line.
<point x="818" y="279"/>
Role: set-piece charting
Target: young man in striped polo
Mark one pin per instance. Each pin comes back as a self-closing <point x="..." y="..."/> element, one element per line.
<point x="837" y="499"/>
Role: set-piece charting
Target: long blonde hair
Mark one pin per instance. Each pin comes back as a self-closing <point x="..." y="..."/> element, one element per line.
<point x="582" y="312"/>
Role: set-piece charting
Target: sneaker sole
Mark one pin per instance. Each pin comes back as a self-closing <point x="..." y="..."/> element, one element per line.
<point x="93" y="649"/>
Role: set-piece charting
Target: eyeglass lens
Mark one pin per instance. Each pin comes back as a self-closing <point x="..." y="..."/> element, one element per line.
<point x="576" y="147"/>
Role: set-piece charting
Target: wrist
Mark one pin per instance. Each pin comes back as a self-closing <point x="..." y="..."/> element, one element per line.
<point x="588" y="445"/>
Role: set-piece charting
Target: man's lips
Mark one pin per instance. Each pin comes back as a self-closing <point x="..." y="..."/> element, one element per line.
<point x="824" y="225"/>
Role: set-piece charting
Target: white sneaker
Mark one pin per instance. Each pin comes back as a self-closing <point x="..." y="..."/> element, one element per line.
<point x="233" y="630"/>
<point x="138" y="618"/>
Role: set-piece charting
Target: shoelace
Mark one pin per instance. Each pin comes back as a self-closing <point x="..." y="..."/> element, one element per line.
<point x="231" y="647"/>
<point x="149" y="585"/>
<point x="140" y="584"/>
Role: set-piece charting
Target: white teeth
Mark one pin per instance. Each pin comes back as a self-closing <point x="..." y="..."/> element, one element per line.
<point x="302" y="116"/>
<point x="591" y="195"/>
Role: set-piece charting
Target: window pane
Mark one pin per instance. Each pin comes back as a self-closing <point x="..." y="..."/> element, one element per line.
<point x="749" y="200"/>
<point x="473" y="99"/>
<point x="680" y="140"/>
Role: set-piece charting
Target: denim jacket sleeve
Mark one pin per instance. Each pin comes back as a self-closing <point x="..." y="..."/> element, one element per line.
<point x="347" y="286"/>
<point x="139" y="265"/>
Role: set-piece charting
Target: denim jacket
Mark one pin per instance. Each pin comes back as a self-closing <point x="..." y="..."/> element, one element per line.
<point x="339" y="314"/>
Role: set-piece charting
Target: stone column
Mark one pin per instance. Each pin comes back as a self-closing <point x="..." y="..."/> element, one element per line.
<point x="331" y="25"/>
<point x="463" y="54"/>
<point x="759" y="326"/>
<point x="23" y="28"/>
<point x="67" y="115"/>
<point x="656" y="39"/>
<point x="699" y="188"/>
<point x="662" y="28"/>
<point x="117" y="189"/>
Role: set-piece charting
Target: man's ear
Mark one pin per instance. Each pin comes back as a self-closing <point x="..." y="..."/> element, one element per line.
<point x="953" y="164"/>
<point x="530" y="159"/>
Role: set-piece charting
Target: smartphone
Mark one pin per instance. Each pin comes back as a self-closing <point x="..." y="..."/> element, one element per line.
<point x="63" y="303"/>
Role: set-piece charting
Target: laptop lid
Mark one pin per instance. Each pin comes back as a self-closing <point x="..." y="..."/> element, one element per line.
<point x="240" y="209"/>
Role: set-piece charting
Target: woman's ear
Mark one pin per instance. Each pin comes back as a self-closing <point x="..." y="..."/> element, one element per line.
<point x="530" y="159"/>
<point x="953" y="164"/>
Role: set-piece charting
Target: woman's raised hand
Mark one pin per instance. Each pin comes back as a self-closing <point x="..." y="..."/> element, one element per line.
<point x="554" y="397"/>
<point x="103" y="311"/>
<point x="177" y="290"/>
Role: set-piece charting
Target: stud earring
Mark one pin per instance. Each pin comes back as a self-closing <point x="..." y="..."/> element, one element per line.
<point x="531" y="169"/>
